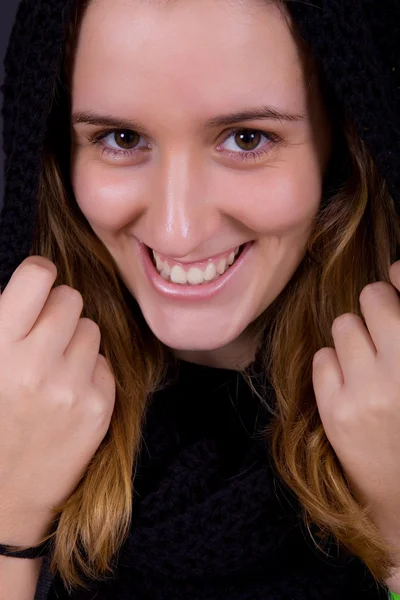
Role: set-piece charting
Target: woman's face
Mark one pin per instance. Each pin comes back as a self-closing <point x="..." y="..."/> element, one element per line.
<point x="197" y="129"/>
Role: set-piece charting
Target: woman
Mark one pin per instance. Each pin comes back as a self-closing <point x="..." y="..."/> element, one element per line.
<point x="199" y="354"/>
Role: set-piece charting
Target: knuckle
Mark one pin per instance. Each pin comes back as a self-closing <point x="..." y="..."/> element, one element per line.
<point x="90" y="326"/>
<point x="69" y="293"/>
<point x="104" y="362"/>
<point x="30" y="382"/>
<point x="322" y="354"/>
<point x="64" y="397"/>
<point x="344" y="320"/>
<point x="39" y="263"/>
<point x="90" y="332"/>
<point x="98" y="407"/>
<point x="344" y="416"/>
<point x="380" y="402"/>
<point x="98" y="411"/>
<point x="107" y="370"/>
<point x="372" y="289"/>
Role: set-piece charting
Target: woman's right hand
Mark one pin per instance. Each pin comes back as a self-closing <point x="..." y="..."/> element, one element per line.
<point x="57" y="396"/>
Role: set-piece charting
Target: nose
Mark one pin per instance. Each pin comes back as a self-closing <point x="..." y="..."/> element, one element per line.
<point x="181" y="212"/>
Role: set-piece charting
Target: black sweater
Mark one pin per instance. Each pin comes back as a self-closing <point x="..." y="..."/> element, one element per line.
<point x="211" y="521"/>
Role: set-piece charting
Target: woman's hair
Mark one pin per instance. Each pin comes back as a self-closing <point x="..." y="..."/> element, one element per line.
<point x="354" y="240"/>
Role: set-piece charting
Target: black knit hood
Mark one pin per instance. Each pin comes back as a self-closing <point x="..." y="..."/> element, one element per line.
<point x="357" y="43"/>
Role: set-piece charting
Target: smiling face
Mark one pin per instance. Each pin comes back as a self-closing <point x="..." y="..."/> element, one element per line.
<point x="160" y="162"/>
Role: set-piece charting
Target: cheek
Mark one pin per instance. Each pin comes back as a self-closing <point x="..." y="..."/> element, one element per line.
<point x="281" y="198"/>
<point x="107" y="196"/>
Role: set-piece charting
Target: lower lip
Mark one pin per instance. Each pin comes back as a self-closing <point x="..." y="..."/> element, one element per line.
<point x="202" y="291"/>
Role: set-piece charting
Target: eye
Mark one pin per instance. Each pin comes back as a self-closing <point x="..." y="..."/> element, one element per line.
<point x="120" y="143"/>
<point x="122" y="139"/>
<point x="246" y="139"/>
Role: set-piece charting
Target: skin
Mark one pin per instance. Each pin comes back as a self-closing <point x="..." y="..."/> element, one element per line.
<point x="356" y="387"/>
<point x="183" y="189"/>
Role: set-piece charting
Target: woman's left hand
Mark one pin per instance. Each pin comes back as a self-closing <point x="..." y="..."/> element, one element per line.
<point x="357" y="388"/>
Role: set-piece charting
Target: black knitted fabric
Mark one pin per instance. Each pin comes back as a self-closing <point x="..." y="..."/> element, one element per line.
<point x="211" y="521"/>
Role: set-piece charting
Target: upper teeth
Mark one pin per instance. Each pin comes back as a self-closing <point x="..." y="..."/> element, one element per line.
<point x="194" y="275"/>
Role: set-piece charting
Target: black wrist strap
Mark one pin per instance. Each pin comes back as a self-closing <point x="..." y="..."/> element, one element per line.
<point x="34" y="552"/>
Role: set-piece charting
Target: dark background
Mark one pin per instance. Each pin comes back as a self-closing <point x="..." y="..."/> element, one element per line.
<point x="8" y="8"/>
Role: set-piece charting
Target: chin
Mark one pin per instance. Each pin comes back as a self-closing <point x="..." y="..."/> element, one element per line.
<point x="196" y="336"/>
<point x="192" y="341"/>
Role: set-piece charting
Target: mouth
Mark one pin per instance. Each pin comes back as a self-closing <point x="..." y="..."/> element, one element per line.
<point x="195" y="274"/>
<point x="175" y="284"/>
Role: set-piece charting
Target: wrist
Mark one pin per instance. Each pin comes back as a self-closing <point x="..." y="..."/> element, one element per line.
<point x="25" y="531"/>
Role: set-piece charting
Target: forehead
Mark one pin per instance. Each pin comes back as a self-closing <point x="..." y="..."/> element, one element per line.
<point x="195" y="52"/>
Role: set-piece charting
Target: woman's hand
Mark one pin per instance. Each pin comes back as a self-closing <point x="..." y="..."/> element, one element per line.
<point x="357" y="388"/>
<point x="57" y="397"/>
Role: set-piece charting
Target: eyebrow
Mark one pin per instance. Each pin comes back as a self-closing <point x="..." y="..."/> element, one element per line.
<point x="262" y="112"/>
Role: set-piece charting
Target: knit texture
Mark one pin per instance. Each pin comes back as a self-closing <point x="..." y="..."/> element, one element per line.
<point x="211" y="521"/>
<point x="357" y="43"/>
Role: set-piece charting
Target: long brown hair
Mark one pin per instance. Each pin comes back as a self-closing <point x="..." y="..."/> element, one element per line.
<point x="354" y="240"/>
